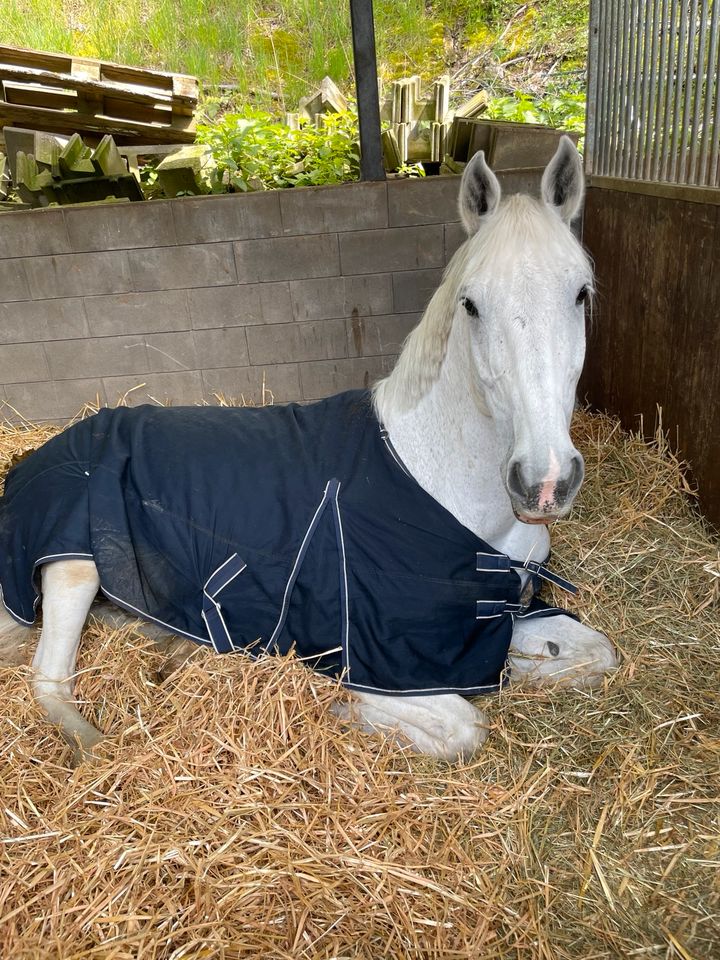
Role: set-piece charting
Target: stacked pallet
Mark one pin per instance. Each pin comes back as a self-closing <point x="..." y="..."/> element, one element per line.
<point x="507" y="145"/>
<point x="64" y="94"/>
<point x="47" y="169"/>
<point x="418" y="125"/>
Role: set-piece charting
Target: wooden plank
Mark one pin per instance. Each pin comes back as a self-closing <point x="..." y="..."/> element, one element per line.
<point x="33" y="95"/>
<point x="655" y="339"/>
<point x="62" y="63"/>
<point x="136" y="92"/>
<point x="43" y="61"/>
<point x="146" y="113"/>
<point x="672" y="191"/>
<point x="71" y="121"/>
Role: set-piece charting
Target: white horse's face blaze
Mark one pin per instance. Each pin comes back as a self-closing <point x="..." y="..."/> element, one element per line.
<point x="522" y="305"/>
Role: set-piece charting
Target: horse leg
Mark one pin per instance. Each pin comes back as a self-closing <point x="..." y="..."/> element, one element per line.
<point x="445" y="726"/>
<point x="68" y="590"/>
<point x="559" y="650"/>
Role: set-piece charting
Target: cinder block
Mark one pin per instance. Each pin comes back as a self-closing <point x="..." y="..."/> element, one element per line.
<point x="284" y="343"/>
<point x="412" y="289"/>
<point x="217" y="348"/>
<point x="137" y="313"/>
<point x="278" y="383"/>
<point x="13" y="281"/>
<point x="231" y="217"/>
<point x="23" y="362"/>
<point x="170" y="352"/>
<point x="97" y="357"/>
<point x="331" y="209"/>
<point x="401" y="248"/>
<point x="183" y="388"/>
<point x="455" y="236"/>
<point x="33" y="233"/>
<point x="287" y="258"/>
<point x="78" y="275"/>
<point x="172" y="268"/>
<point x="29" y="320"/>
<point x="55" y="401"/>
<point x="120" y="226"/>
<point x="328" y="297"/>
<point x="379" y="336"/>
<point x="423" y="200"/>
<point x="244" y="304"/>
<point x="323" y="378"/>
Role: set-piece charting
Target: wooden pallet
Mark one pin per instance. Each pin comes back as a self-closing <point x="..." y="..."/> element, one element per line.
<point x="507" y="145"/>
<point x="66" y="94"/>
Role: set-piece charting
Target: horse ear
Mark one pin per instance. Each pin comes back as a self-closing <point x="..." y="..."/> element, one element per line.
<point x="563" y="183"/>
<point x="479" y="193"/>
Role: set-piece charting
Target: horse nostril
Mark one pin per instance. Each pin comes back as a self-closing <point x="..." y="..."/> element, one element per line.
<point x="578" y="472"/>
<point x="515" y="482"/>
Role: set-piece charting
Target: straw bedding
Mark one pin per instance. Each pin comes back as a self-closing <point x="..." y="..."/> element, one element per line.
<point x="231" y="816"/>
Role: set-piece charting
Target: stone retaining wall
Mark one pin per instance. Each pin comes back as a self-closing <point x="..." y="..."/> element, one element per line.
<point x="307" y="291"/>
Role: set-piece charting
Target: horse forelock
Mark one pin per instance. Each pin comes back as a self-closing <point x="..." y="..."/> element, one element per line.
<point x="522" y="227"/>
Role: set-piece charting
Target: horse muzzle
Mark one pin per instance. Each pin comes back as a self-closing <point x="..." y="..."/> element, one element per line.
<point x="548" y="499"/>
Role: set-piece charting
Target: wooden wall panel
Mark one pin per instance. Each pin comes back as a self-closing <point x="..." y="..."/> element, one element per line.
<point x="655" y="339"/>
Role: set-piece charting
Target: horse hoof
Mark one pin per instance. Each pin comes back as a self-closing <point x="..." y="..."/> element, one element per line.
<point x="83" y="747"/>
<point x="80" y="755"/>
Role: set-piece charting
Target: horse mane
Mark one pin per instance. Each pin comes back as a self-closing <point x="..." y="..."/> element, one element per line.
<point x="520" y="222"/>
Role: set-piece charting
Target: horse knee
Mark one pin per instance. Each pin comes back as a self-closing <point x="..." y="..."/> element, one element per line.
<point x="445" y="727"/>
<point x="463" y="739"/>
<point x="560" y="651"/>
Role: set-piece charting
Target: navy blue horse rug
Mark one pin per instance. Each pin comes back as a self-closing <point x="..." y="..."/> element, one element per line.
<point x="262" y="530"/>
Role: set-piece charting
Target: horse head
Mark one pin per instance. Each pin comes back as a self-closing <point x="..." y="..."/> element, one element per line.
<point x="523" y="284"/>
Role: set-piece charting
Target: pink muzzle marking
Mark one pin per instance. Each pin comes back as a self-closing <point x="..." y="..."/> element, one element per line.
<point x="547" y="495"/>
<point x="547" y="490"/>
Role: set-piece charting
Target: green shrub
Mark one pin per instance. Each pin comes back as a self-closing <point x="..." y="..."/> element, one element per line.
<point x="564" y="110"/>
<point x="254" y="151"/>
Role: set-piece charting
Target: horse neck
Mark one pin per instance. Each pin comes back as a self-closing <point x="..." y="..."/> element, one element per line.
<point x="451" y="447"/>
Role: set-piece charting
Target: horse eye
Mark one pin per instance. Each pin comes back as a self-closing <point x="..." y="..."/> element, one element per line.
<point x="470" y="307"/>
<point x="582" y="296"/>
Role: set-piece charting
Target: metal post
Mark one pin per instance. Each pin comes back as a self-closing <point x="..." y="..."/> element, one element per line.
<point x="366" y="84"/>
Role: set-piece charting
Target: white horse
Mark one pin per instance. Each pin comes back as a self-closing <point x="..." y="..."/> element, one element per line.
<point x="478" y="408"/>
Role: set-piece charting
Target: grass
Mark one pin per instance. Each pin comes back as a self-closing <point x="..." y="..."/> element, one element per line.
<point x="272" y="52"/>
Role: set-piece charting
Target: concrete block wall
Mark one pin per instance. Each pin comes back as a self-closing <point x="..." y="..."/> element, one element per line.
<point x="304" y="292"/>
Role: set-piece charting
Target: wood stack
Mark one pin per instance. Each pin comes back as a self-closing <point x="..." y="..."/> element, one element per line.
<point x="47" y="169"/>
<point x="507" y="145"/>
<point x="418" y="125"/>
<point x="64" y="94"/>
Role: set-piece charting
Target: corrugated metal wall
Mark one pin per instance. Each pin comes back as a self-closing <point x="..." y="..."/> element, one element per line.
<point x="652" y="223"/>
<point x="654" y="98"/>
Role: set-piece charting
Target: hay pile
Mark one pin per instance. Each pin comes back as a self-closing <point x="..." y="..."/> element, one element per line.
<point x="231" y="816"/>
